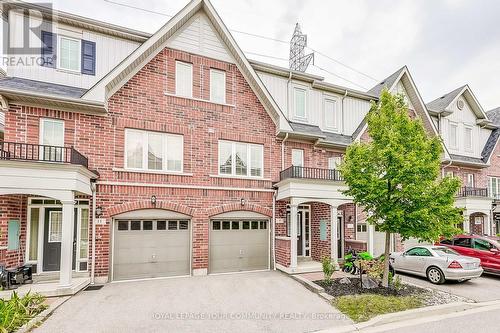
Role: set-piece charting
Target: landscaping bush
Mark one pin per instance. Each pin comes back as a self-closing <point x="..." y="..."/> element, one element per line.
<point x="364" y="307"/>
<point x="17" y="311"/>
<point x="328" y="268"/>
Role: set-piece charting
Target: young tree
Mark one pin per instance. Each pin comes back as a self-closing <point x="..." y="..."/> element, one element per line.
<point x="395" y="177"/>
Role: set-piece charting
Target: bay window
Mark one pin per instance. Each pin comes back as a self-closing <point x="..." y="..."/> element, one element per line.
<point x="153" y="151"/>
<point x="241" y="159"/>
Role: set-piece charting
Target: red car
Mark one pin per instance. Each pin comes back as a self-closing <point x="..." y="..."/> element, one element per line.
<point x="486" y="249"/>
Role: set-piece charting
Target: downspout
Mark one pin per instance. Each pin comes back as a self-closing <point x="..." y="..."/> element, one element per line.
<point x="283" y="152"/>
<point x="343" y="114"/>
<point x="93" y="188"/>
<point x="273" y="235"/>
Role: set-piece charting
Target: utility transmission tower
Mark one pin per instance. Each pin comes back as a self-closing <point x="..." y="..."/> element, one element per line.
<point x="298" y="59"/>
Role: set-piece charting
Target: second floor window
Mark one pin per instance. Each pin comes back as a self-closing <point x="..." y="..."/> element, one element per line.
<point x="334" y="162"/>
<point x="183" y="79"/>
<point x="468" y="138"/>
<point x="51" y="137"/>
<point x="453" y="133"/>
<point x="153" y="151"/>
<point x="299" y="102"/>
<point x="241" y="159"/>
<point x="470" y="180"/>
<point x="217" y="86"/>
<point x="330" y="110"/>
<point x="298" y="157"/>
<point x="69" y="53"/>
<point x="494" y="184"/>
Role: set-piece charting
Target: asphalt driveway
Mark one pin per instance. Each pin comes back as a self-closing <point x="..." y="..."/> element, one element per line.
<point x="246" y="302"/>
<point x="485" y="288"/>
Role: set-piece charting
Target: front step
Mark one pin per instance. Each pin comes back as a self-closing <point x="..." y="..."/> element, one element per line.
<point x="54" y="276"/>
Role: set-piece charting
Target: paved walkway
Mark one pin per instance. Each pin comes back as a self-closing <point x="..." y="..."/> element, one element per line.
<point x="276" y="302"/>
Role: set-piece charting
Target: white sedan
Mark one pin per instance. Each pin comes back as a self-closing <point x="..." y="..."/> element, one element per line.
<point x="437" y="263"/>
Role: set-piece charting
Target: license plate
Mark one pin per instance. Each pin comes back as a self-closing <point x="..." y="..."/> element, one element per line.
<point x="470" y="266"/>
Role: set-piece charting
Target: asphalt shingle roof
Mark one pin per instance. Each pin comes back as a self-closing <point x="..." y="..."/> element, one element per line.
<point x="20" y="84"/>
<point x="494" y="116"/>
<point x="387" y="83"/>
<point x="307" y="129"/>
<point x="439" y="104"/>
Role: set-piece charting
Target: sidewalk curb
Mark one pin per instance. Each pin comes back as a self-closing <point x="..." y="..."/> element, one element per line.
<point x="43" y="315"/>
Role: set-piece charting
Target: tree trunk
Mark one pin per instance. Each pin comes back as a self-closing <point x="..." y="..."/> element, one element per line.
<point x="385" y="277"/>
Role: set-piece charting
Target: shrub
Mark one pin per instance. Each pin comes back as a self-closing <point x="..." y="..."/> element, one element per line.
<point x="328" y="268"/>
<point x="17" y="311"/>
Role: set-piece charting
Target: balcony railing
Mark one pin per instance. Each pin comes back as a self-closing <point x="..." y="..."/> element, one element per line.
<point x="467" y="191"/>
<point x="41" y="153"/>
<point x="310" y="173"/>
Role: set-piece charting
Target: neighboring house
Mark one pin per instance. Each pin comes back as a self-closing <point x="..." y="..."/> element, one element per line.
<point x="179" y="156"/>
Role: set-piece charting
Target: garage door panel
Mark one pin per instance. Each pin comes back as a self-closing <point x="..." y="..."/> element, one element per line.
<point x="150" y="253"/>
<point x="238" y="249"/>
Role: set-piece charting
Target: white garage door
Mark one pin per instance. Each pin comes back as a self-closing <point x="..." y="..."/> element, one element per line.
<point x="239" y="245"/>
<point x="150" y="248"/>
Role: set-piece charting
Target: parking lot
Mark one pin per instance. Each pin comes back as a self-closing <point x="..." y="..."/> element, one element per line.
<point x="486" y="288"/>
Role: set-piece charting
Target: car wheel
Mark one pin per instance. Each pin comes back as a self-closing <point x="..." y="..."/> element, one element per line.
<point x="435" y="275"/>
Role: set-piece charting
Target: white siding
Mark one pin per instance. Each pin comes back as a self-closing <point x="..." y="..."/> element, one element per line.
<point x="109" y="52"/>
<point x="199" y="36"/>
<point x="463" y="118"/>
<point x="400" y="89"/>
<point x="354" y="109"/>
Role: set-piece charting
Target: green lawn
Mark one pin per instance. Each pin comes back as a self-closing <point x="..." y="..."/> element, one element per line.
<point x="364" y="307"/>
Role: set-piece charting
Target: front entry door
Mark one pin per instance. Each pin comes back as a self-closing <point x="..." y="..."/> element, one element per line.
<point x="52" y="239"/>
<point x="300" y="239"/>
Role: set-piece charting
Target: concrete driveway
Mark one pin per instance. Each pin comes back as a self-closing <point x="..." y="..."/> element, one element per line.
<point x="275" y="302"/>
<point x="485" y="288"/>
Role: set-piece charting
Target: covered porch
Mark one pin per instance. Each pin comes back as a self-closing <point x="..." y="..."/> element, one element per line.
<point x="478" y="206"/>
<point x="45" y="193"/>
<point x="313" y="219"/>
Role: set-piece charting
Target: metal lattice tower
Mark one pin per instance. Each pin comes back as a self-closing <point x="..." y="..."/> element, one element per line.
<point x="298" y="59"/>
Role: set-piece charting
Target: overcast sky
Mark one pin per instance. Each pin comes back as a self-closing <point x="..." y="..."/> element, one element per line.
<point x="445" y="43"/>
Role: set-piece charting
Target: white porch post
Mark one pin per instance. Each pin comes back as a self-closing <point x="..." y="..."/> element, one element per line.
<point x="466" y="223"/>
<point x="67" y="230"/>
<point x="293" y="236"/>
<point x="487" y="225"/>
<point x="334" y="250"/>
<point x="371" y="235"/>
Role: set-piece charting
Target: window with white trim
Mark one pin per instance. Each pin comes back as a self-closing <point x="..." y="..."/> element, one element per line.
<point x="217" y="86"/>
<point x="69" y="56"/>
<point x="330" y="113"/>
<point x="298" y="157"/>
<point x="146" y="150"/>
<point x="55" y="226"/>
<point x="468" y="138"/>
<point x="51" y="137"/>
<point x="494" y="187"/>
<point x="241" y="159"/>
<point x="453" y="135"/>
<point x="470" y="180"/>
<point x="183" y="79"/>
<point x="299" y="102"/>
<point x="334" y="162"/>
<point x="450" y="174"/>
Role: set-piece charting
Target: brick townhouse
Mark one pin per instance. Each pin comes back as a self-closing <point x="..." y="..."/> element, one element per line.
<point x="127" y="155"/>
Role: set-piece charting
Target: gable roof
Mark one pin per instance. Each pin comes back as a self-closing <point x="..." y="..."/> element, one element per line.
<point x="491" y="143"/>
<point x="440" y="104"/>
<point x="387" y="83"/>
<point x="117" y="77"/>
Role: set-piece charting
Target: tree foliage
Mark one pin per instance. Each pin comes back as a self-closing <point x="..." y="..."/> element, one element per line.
<point x="395" y="175"/>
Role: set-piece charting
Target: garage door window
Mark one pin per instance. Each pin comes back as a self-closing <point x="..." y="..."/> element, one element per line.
<point x="226" y="225"/>
<point x="172" y="225"/>
<point x="235" y="225"/>
<point x="147" y="225"/>
<point x="135" y="225"/>
<point x="161" y="225"/>
<point x="239" y="225"/>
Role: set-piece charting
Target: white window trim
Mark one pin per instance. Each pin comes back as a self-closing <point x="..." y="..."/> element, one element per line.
<point x="334" y="160"/>
<point x="182" y="63"/>
<point x="453" y="124"/>
<point x="79" y="42"/>
<point x="302" y="154"/>
<point x="213" y="70"/>
<point x="490" y="186"/>
<point x="331" y="98"/>
<point x="294" y="108"/>
<point x="145" y="169"/>
<point x="471" y="148"/>
<point x="233" y="162"/>
<point x="42" y="128"/>
<point x="471" y="176"/>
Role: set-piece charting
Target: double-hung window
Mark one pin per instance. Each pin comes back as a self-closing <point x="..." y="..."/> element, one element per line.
<point x="241" y="159"/>
<point x="154" y="151"/>
<point x="494" y="187"/>
<point x="183" y="79"/>
<point x="468" y="138"/>
<point x="453" y="135"/>
<point x="330" y="113"/>
<point x="334" y="162"/>
<point x="217" y="86"/>
<point x="299" y="102"/>
<point x="52" y="140"/>
<point x="470" y="180"/>
<point x="69" y="54"/>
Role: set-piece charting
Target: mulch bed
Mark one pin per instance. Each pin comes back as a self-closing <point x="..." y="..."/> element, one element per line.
<point x="335" y="288"/>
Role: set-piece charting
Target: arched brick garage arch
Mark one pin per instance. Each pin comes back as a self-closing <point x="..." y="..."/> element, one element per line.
<point x="146" y="204"/>
<point x="237" y="206"/>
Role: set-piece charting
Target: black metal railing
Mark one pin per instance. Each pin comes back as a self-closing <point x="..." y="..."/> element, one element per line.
<point x="41" y="153"/>
<point x="467" y="191"/>
<point x="310" y="173"/>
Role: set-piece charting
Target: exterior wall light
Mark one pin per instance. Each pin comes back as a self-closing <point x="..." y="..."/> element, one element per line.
<point x="98" y="211"/>
<point x="242" y="201"/>
<point x="153" y="200"/>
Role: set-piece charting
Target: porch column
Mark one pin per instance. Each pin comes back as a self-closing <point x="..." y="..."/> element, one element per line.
<point x="293" y="236"/>
<point x="466" y="223"/>
<point x="334" y="249"/>
<point x="67" y="230"/>
<point x="371" y="234"/>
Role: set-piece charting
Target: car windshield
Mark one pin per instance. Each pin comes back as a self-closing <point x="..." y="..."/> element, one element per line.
<point x="444" y="251"/>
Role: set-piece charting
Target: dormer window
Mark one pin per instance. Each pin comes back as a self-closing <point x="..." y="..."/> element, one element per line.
<point x="299" y="98"/>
